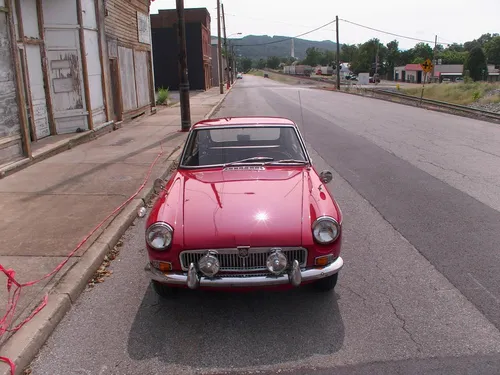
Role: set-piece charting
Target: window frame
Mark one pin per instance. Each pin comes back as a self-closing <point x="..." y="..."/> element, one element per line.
<point x="192" y="134"/>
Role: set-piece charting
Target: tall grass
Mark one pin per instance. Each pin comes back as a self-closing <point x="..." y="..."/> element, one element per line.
<point x="459" y="93"/>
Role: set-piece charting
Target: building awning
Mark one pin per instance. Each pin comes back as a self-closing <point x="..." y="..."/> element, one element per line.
<point x="494" y="74"/>
<point x="451" y="74"/>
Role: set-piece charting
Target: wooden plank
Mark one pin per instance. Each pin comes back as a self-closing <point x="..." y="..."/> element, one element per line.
<point x="101" y="58"/>
<point x="21" y="103"/>
<point x="20" y="27"/>
<point x="32" y="41"/>
<point x="26" y="78"/>
<point x="45" y="70"/>
<point x="30" y="100"/>
<point x="86" y="84"/>
<point x="135" y="78"/>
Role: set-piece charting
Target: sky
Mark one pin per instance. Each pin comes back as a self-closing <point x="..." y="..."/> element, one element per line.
<point x="451" y="20"/>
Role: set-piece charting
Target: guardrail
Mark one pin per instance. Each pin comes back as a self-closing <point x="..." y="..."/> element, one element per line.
<point x="431" y="104"/>
<point x="396" y="97"/>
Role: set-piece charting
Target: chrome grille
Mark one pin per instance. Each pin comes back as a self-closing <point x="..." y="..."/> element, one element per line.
<point x="231" y="261"/>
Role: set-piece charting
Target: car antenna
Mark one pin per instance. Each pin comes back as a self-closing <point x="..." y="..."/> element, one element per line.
<point x="302" y="117"/>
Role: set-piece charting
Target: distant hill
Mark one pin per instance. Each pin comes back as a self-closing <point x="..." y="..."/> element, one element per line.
<point x="249" y="46"/>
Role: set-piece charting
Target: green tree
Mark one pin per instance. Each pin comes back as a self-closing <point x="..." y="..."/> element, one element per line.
<point x="246" y="64"/>
<point x="348" y="52"/>
<point x="313" y="56"/>
<point x="367" y="55"/>
<point x="475" y="64"/>
<point x="393" y="57"/>
<point x="327" y="58"/>
<point x="449" y="56"/>
<point x="456" y="47"/>
<point x="407" y="56"/>
<point x="260" y="64"/>
<point x="492" y="50"/>
<point x="421" y="52"/>
<point x="273" y="62"/>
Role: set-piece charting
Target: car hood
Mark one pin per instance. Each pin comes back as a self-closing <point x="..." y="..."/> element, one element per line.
<point x="225" y="209"/>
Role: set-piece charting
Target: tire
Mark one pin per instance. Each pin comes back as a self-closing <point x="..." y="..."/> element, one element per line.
<point x="326" y="284"/>
<point x="163" y="290"/>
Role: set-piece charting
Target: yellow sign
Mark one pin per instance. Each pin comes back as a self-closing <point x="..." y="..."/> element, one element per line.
<point x="427" y="66"/>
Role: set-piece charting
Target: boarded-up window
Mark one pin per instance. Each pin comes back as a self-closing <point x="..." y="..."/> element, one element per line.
<point x="127" y="76"/>
<point x="142" y="77"/>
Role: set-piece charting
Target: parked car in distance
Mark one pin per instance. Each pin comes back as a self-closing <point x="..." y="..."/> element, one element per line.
<point x="266" y="75"/>
<point x="459" y="79"/>
<point x="446" y="80"/>
<point x="245" y="209"/>
<point x="239" y="76"/>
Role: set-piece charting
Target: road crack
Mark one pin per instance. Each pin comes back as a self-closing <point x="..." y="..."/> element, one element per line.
<point x="403" y="326"/>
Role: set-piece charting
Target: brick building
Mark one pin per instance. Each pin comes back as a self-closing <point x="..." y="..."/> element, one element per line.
<point x="166" y="48"/>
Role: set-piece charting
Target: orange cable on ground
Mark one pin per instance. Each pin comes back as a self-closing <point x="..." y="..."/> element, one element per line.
<point x="5" y="321"/>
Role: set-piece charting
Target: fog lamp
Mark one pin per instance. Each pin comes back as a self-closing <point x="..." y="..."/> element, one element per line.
<point x="209" y="264"/>
<point x="276" y="262"/>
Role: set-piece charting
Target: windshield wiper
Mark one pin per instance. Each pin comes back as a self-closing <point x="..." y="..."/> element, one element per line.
<point x="250" y="160"/>
<point x="288" y="161"/>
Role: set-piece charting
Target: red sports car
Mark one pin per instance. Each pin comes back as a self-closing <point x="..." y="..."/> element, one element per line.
<point x="245" y="208"/>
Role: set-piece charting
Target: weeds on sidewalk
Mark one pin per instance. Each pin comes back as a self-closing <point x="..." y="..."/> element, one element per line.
<point x="163" y="95"/>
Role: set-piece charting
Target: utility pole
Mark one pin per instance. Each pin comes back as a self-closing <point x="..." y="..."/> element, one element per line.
<point x="183" y="70"/>
<point x="434" y="61"/>
<point x="338" y="52"/>
<point x="225" y="45"/>
<point x="219" y="50"/>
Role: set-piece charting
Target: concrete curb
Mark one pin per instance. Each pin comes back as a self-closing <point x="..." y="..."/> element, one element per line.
<point x="23" y="346"/>
<point x="219" y="103"/>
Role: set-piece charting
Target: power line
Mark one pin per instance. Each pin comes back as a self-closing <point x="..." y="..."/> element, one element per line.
<point x="270" y="21"/>
<point x="393" y="34"/>
<point x="285" y="39"/>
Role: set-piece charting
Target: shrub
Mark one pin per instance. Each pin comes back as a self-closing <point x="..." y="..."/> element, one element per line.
<point x="162" y="96"/>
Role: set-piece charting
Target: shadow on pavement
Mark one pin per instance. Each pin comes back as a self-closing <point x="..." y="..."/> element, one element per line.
<point x="219" y="329"/>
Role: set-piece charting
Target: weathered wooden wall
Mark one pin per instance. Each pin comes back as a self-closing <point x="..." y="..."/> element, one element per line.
<point x="129" y="43"/>
<point x="10" y="139"/>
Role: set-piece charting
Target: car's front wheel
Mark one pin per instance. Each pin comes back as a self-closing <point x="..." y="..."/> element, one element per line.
<point x="326" y="284"/>
<point x="163" y="290"/>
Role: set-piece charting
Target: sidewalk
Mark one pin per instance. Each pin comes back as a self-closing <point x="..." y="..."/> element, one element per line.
<point x="49" y="207"/>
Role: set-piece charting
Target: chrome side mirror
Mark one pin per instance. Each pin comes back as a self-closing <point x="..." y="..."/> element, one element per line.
<point x="158" y="185"/>
<point x="325" y="176"/>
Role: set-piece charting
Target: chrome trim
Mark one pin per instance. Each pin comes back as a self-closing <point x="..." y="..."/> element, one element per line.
<point x="234" y="258"/>
<point x="326" y="218"/>
<point x="245" y="168"/>
<point x="295" y="275"/>
<point x="181" y="278"/>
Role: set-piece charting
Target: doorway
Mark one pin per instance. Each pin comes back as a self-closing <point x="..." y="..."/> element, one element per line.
<point x="117" y="107"/>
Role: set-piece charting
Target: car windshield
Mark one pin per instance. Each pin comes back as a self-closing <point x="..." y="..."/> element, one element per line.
<point x="243" y="145"/>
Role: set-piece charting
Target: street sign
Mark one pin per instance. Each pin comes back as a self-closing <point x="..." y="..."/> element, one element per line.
<point x="427" y="66"/>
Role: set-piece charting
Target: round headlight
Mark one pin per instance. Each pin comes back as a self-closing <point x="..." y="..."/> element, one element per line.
<point x="326" y="230"/>
<point x="159" y="235"/>
<point x="276" y="262"/>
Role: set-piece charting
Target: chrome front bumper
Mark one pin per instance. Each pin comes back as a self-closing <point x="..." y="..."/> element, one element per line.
<point x="295" y="276"/>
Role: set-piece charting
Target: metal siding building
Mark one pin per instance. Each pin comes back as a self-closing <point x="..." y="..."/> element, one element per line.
<point x="56" y="76"/>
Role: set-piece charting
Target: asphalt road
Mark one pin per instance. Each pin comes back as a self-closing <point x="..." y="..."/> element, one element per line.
<point x="420" y="290"/>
